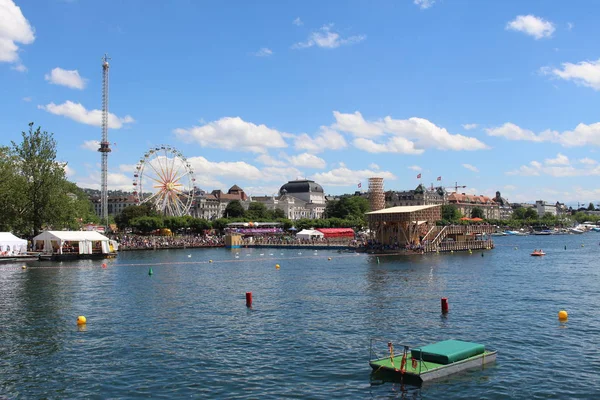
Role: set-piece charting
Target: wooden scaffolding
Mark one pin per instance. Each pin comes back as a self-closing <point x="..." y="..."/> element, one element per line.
<point x="403" y="226"/>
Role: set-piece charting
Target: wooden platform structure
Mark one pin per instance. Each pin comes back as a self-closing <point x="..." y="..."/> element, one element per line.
<point x="414" y="228"/>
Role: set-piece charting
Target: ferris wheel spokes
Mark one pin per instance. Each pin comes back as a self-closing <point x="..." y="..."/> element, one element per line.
<point x="169" y="178"/>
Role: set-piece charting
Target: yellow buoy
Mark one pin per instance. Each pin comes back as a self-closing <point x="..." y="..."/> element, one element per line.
<point x="582" y="245"/>
<point x="329" y="258"/>
<point x="277" y="266"/>
<point x="562" y="315"/>
<point x="24" y="267"/>
<point x="81" y="320"/>
<point x="209" y="261"/>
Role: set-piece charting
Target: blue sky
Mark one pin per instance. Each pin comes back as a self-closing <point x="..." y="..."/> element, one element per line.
<point x="494" y="95"/>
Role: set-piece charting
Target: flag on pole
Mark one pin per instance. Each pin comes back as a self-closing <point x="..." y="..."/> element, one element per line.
<point x="359" y="185"/>
<point x="439" y="178"/>
<point x="419" y="176"/>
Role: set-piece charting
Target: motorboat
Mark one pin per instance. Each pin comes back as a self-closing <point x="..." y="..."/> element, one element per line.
<point x="576" y="231"/>
<point x="538" y="253"/>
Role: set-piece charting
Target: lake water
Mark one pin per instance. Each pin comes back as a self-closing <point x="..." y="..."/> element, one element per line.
<point x="185" y="331"/>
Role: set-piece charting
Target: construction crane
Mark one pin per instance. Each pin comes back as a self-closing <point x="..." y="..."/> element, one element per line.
<point x="104" y="144"/>
<point x="455" y="187"/>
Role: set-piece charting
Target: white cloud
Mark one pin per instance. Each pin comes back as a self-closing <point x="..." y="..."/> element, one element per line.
<point x="393" y="145"/>
<point x="560" y="159"/>
<point x="409" y="136"/>
<point x="582" y="135"/>
<point x="298" y="22"/>
<point x="556" y="167"/>
<point x="511" y="131"/>
<point x="471" y="167"/>
<point x="588" y="161"/>
<point x="531" y="25"/>
<point x="69" y="172"/>
<point x="280" y="174"/>
<point x="68" y="78"/>
<point x="19" y="67"/>
<point x="91" y="145"/>
<point x="356" y="125"/>
<point x="77" y="112"/>
<point x="27" y="99"/>
<point x="233" y="133"/>
<point x="424" y="4"/>
<point x="262" y="190"/>
<point x="328" y="39"/>
<point x="263" y="52"/>
<point x="270" y="161"/>
<point x="307" y="160"/>
<point x="127" y="168"/>
<point x="14" y="28"/>
<point x="346" y="177"/>
<point x="470" y="126"/>
<point x="116" y="181"/>
<point x="236" y="170"/>
<point x="415" y="168"/>
<point x="326" y="139"/>
<point x="373" y="166"/>
<point x="585" y="73"/>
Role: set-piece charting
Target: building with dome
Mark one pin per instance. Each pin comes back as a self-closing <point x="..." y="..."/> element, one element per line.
<point x="297" y="199"/>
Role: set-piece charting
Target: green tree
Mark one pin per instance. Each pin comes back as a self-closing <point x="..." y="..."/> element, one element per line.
<point x="234" y="209"/>
<point x="519" y="213"/>
<point x="477" y="212"/>
<point x="591" y="207"/>
<point x="147" y="224"/>
<point x="198" y="225"/>
<point x="531" y="213"/>
<point x="256" y="211"/>
<point x="123" y="220"/>
<point x="12" y="194"/>
<point x="43" y="185"/>
<point x="276" y="214"/>
<point x="450" y="212"/>
<point x="347" y="207"/>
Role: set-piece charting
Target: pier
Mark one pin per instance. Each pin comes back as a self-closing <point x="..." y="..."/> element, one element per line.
<point x="413" y="228"/>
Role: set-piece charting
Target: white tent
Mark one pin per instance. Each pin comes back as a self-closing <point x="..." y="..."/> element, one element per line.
<point x="82" y="242"/>
<point x="10" y="245"/>
<point x="309" y="234"/>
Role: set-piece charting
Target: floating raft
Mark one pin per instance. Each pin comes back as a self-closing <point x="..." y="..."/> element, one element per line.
<point x="435" y="361"/>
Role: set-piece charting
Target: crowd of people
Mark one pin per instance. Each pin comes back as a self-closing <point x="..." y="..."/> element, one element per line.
<point x="139" y="242"/>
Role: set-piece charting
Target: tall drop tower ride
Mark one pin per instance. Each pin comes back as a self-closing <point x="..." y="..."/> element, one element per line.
<point x="104" y="144"/>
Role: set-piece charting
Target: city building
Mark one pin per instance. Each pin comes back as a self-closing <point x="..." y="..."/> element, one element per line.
<point x="297" y="199"/>
<point x="506" y="211"/>
<point x="465" y="203"/>
<point x="420" y="196"/>
<point x="212" y="206"/>
<point x="543" y="208"/>
<point x="116" y="204"/>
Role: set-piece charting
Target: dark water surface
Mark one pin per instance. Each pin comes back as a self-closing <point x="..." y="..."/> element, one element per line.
<point x="185" y="330"/>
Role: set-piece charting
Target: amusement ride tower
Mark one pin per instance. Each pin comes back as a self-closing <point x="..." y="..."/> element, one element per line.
<point x="104" y="144"/>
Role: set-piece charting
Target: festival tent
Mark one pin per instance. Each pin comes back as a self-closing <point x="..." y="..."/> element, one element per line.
<point x="82" y="242"/>
<point x="10" y="245"/>
<point x="337" y="232"/>
<point x="309" y="234"/>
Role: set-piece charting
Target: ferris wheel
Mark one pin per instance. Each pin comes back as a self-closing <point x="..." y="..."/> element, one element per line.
<point x="165" y="179"/>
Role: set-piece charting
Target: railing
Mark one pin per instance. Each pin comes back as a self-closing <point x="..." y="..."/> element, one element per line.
<point x="439" y="237"/>
<point x="466" y="245"/>
<point x="432" y="230"/>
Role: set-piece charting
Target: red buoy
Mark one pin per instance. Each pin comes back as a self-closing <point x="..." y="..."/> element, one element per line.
<point x="248" y="299"/>
<point x="445" y="306"/>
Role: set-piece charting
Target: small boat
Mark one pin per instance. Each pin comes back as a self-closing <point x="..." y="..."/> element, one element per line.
<point x="538" y="253"/>
<point x="576" y="231"/>
<point x="434" y="361"/>
<point x="596" y="229"/>
<point x="543" y="233"/>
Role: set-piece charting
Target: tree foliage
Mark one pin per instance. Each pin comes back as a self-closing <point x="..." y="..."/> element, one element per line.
<point x="477" y="212"/>
<point x="347" y="207"/>
<point x="450" y="213"/>
<point x="234" y="209"/>
<point x="34" y="192"/>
